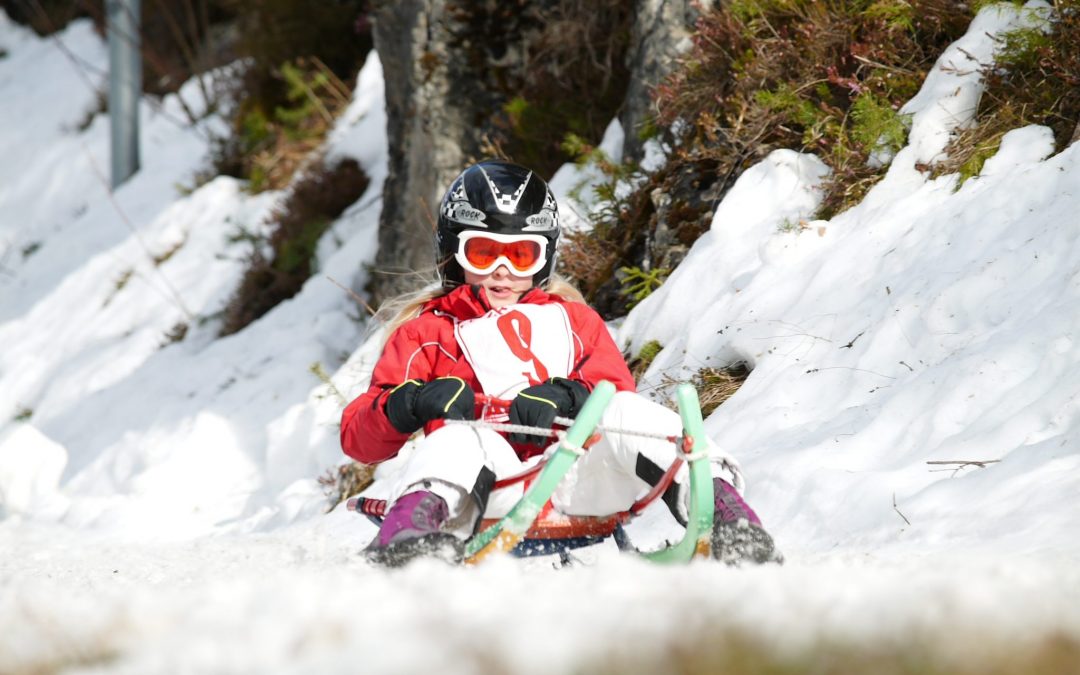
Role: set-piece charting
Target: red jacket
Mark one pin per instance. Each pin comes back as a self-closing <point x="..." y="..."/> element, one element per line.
<point x="426" y="348"/>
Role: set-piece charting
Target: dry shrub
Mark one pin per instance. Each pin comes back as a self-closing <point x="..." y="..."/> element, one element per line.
<point x="575" y="80"/>
<point x="594" y="257"/>
<point x="274" y="32"/>
<point x="645" y="231"/>
<point x="821" y="77"/>
<point x="177" y="40"/>
<point x="587" y="260"/>
<point x="314" y="203"/>
<point x="714" y="385"/>
<point x="1035" y="80"/>
<point x="267" y="148"/>
<point x="44" y="17"/>
<point x="346" y="481"/>
<point x="180" y="40"/>
<point x="301" y="62"/>
<point x="545" y="69"/>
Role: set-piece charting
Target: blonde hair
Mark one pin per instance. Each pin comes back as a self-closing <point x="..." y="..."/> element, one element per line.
<point x="396" y="312"/>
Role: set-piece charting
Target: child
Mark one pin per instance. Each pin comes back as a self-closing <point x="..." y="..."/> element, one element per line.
<point x="502" y="324"/>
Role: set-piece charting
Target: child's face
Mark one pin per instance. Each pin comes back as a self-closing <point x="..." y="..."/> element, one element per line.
<point x="502" y="287"/>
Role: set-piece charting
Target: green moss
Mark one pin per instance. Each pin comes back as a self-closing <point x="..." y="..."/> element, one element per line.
<point x="648" y="130"/>
<point x="898" y="14"/>
<point x="649" y="351"/>
<point x="254" y="128"/>
<point x="760" y="10"/>
<point x="645" y="357"/>
<point x="785" y="101"/>
<point x="1022" y="48"/>
<point x="974" y="164"/>
<point x="517" y="108"/>
<point x="876" y="125"/>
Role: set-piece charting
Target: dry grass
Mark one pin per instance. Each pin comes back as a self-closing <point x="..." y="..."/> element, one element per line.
<point x="713" y="650"/>
<point x="716" y="385"/>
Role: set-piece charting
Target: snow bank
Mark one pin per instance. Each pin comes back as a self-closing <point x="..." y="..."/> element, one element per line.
<point x="110" y="306"/>
<point x="928" y="324"/>
<point x="30" y="468"/>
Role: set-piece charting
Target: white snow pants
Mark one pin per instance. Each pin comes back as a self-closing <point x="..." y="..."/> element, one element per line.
<point x="610" y="476"/>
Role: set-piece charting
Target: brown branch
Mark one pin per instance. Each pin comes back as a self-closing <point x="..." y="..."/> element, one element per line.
<point x="427" y="214"/>
<point x="363" y="303"/>
<point x="897" y="509"/>
<point x="964" y="462"/>
<point x="961" y="463"/>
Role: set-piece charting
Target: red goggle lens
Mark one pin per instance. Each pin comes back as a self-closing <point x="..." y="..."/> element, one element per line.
<point x="483" y="253"/>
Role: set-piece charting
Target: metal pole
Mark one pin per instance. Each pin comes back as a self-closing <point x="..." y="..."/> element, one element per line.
<point x="125" y="86"/>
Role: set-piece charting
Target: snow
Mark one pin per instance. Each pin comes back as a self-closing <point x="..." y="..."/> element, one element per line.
<point x="159" y="503"/>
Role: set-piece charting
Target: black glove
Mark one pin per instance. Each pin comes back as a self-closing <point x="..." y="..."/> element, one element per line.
<point x="413" y="403"/>
<point x="538" y="405"/>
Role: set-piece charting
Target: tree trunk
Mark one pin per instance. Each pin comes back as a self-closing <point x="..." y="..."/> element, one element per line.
<point x="426" y="141"/>
<point x="662" y="30"/>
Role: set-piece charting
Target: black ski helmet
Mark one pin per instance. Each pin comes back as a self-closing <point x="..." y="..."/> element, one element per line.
<point x="499" y="197"/>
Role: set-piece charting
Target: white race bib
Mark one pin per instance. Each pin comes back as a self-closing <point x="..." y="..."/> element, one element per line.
<point x="515" y="347"/>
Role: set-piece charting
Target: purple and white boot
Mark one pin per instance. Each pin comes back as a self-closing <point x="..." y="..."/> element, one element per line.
<point x="412" y="529"/>
<point x="738" y="535"/>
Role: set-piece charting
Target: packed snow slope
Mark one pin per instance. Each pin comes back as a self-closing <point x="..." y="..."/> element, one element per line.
<point x="160" y="509"/>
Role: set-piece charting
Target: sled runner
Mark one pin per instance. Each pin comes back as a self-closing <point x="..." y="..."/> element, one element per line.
<point x="533" y="527"/>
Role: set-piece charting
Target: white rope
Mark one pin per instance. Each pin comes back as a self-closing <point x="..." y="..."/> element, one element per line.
<point x="540" y="431"/>
<point x="509" y="428"/>
<point x="566" y="421"/>
<point x="700" y="453"/>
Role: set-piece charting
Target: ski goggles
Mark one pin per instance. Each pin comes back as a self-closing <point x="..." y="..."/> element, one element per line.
<point x="482" y="252"/>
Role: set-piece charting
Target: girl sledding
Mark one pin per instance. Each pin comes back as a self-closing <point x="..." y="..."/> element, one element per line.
<point x="504" y="326"/>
